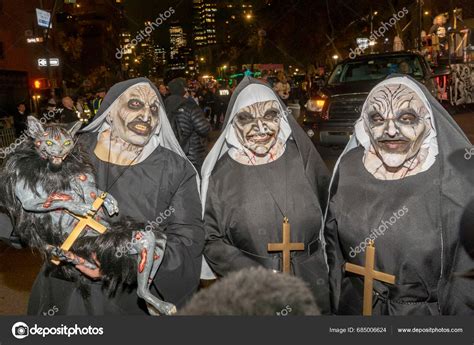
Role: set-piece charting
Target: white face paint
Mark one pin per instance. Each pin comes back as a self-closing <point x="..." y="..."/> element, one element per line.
<point x="257" y="126"/>
<point x="396" y="120"/>
<point x="135" y="116"/>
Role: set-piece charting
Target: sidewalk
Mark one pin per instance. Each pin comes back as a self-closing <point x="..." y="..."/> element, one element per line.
<point x="18" y="269"/>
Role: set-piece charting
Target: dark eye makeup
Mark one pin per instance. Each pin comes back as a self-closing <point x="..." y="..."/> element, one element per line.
<point x="244" y="117"/>
<point x="135" y="104"/>
<point x="407" y="117"/>
<point x="270" y="114"/>
<point x="376" y="118"/>
<point x="154" y="108"/>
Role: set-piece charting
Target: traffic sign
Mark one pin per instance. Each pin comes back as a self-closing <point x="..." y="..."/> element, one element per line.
<point x="44" y="18"/>
<point x="53" y="62"/>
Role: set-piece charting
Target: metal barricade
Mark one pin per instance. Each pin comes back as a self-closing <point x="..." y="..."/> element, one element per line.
<point x="7" y="136"/>
<point x="7" y="131"/>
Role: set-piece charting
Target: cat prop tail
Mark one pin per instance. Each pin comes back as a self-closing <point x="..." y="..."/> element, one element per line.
<point x="127" y="257"/>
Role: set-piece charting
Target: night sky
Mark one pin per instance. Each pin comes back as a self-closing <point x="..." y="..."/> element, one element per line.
<point x="138" y="11"/>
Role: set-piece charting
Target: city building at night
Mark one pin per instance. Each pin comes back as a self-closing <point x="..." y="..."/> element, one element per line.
<point x="127" y="51"/>
<point x="177" y="39"/>
<point x="97" y="27"/>
<point x="204" y="22"/>
<point x="232" y="14"/>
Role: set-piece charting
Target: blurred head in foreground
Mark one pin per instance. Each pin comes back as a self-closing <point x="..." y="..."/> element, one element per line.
<point x="254" y="291"/>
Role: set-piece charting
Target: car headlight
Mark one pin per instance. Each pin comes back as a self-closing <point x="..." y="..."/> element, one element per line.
<point x="320" y="104"/>
<point x="316" y="105"/>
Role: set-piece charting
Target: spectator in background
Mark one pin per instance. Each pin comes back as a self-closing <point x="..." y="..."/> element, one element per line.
<point x="282" y="87"/>
<point x="214" y="103"/>
<point x="264" y="77"/>
<point x="204" y="99"/>
<point x="97" y="101"/>
<point x="163" y="91"/>
<point x="49" y="111"/>
<point x="19" y="120"/>
<point x="69" y="112"/>
<point x="192" y="94"/>
<point x="404" y="67"/>
<point x="51" y="105"/>
<point x="82" y="107"/>
<point x="188" y="121"/>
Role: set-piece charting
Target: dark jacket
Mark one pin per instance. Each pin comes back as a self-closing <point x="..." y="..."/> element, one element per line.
<point x="192" y="125"/>
<point x="19" y="122"/>
<point x="69" y="115"/>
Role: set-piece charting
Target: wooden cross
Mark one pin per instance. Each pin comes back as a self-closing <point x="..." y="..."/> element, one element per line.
<point x="369" y="275"/>
<point x="286" y="246"/>
<point x="84" y="222"/>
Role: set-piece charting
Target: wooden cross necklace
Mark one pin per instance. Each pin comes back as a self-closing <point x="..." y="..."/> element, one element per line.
<point x="369" y="275"/>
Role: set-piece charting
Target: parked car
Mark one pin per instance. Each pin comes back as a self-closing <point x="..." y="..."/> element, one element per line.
<point x="331" y="112"/>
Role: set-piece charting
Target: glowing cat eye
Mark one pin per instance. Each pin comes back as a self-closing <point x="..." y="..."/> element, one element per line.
<point x="49" y="142"/>
<point x="67" y="143"/>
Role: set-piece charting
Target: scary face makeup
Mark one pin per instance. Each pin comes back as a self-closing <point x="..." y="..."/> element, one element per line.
<point x="396" y="120"/>
<point x="257" y="126"/>
<point x="135" y="115"/>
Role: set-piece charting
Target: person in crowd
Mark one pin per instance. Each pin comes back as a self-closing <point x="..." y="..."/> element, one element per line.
<point x="19" y="119"/>
<point x="97" y="101"/>
<point x="262" y="176"/>
<point x="163" y="90"/>
<point x="69" y="111"/>
<point x="395" y="187"/>
<point x="188" y="122"/>
<point x="137" y="159"/>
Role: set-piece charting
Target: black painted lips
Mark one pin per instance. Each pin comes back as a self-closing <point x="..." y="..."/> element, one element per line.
<point x="139" y="127"/>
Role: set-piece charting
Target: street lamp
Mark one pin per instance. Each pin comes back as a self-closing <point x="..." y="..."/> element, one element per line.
<point x="335" y="57"/>
<point x="248" y="16"/>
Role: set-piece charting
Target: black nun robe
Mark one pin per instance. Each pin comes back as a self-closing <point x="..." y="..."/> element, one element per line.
<point x="163" y="180"/>
<point x="420" y="244"/>
<point x="241" y="217"/>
